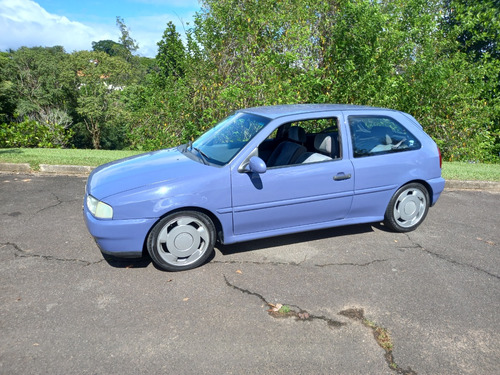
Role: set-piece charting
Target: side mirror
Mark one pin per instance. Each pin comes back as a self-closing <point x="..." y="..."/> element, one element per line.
<point x="255" y="165"/>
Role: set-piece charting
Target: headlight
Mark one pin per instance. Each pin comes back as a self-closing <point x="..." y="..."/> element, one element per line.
<point x="99" y="209"/>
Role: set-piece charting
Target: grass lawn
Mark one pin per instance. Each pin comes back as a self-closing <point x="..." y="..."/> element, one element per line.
<point x="37" y="156"/>
<point x="93" y="158"/>
<point x="471" y="171"/>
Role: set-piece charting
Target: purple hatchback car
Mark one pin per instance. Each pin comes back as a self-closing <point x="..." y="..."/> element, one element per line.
<point x="263" y="172"/>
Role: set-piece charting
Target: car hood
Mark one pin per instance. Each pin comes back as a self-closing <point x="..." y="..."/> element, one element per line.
<point x="141" y="170"/>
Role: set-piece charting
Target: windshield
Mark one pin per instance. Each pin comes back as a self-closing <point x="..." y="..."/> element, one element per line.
<point x="221" y="143"/>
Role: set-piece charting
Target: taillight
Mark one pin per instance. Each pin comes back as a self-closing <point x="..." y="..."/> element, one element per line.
<point x="440" y="159"/>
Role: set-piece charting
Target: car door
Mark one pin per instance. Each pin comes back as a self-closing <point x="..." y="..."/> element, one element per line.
<point x="291" y="197"/>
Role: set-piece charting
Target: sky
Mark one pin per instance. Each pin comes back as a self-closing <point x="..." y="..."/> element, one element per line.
<point x="75" y="24"/>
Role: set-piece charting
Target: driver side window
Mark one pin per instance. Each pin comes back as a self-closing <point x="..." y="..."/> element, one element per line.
<point x="302" y="142"/>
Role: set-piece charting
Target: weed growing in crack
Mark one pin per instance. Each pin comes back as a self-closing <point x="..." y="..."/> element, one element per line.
<point x="285" y="309"/>
<point x="382" y="337"/>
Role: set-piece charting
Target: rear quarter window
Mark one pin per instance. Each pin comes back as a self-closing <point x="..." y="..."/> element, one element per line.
<point x="377" y="135"/>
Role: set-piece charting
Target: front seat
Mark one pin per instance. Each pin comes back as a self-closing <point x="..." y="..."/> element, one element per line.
<point x="289" y="151"/>
<point x="325" y="147"/>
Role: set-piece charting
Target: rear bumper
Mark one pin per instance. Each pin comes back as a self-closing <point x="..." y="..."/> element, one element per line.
<point x="119" y="238"/>
<point x="437" y="186"/>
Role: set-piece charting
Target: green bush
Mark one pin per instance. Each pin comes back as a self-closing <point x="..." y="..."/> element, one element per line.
<point x="31" y="133"/>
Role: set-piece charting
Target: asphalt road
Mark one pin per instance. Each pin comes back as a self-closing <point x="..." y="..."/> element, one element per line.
<point x="434" y="293"/>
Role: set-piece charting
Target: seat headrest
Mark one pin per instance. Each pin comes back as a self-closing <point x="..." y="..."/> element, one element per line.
<point x="297" y="134"/>
<point x="323" y="143"/>
<point x="383" y="134"/>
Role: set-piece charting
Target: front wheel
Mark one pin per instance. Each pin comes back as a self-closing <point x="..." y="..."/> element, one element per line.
<point x="407" y="208"/>
<point x="181" y="241"/>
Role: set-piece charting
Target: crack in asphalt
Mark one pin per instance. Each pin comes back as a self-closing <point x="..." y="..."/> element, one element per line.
<point x="353" y="264"/>
<point x="261" y="263"/>
<point x="449" y="260"/>
<point x="32" y="215"/>
<point x="301" y="315"/>
<point x="20" y="253"/>
<point x="381" y="336"/>
<point x="256" y="262"/>
<point x="15" y="246"/>
<point x="353" y="314"/>
<point x="58" y="202"/>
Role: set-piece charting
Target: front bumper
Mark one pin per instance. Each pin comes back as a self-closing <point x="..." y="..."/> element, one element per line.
<point x="120" y="238"/>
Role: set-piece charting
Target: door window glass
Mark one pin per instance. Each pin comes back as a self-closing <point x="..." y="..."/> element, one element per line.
<point x="302" y="142"/>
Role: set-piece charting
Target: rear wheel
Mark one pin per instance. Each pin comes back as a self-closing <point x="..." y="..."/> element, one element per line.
<point x="181" y="241"/>
<point x="407" y="208"/>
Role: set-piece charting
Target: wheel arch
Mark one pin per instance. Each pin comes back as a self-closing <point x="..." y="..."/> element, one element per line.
<point x="424" y="184"/>
<point x="407" y="209"/>
<point x="219" y="232"/>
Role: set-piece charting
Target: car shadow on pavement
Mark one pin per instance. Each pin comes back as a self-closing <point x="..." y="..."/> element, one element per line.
<point x="115" y="262"/>
<point x="261" y="244"/>
<point x="294" y="238"/>
<point x="382" y="227"/>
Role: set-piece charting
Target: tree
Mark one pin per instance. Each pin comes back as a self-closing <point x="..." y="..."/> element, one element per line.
<point x="125" y="39"/>
<point x="171" y="53"/>
<point x="391" y="53"/>
<point x="7" y="90"/>
<point x="99" y="79"/>
<point x="436" y="59"/>
<point x="110" y="47"/>
<point x="41" y="79"/>
<point x="475" y="26"/>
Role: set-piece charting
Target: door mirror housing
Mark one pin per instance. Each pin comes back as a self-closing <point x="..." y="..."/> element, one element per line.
<point x="255" y="165"/>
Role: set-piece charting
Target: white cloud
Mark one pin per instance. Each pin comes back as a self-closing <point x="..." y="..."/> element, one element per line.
<point x="25" y="23"/>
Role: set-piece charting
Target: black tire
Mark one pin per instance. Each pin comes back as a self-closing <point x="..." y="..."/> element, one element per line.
<point x="181" y="241"/>
<point x="407" y="208"/>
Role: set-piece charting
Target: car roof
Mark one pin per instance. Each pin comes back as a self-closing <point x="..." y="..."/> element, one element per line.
<point x="277" y="111"/>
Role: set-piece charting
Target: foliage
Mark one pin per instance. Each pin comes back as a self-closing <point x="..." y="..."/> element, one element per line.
<point x="475" y="27"/>
<point x="394" y="53"/>
<point x="126" y="40"/>
<point x="160" y="109"/>
<point x="110" y="47"/>
<point x="31" y="133"/>
<point x="40" y="80"/>
<point x="157" y="115"/>
<point x="435" y="59"/>
<point x="99" y="79"/>
<point x="171" y="54"/>
<point x="7" y="90"/>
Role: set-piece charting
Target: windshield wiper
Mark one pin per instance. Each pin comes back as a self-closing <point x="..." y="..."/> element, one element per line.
<point x="204" y="158"/>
